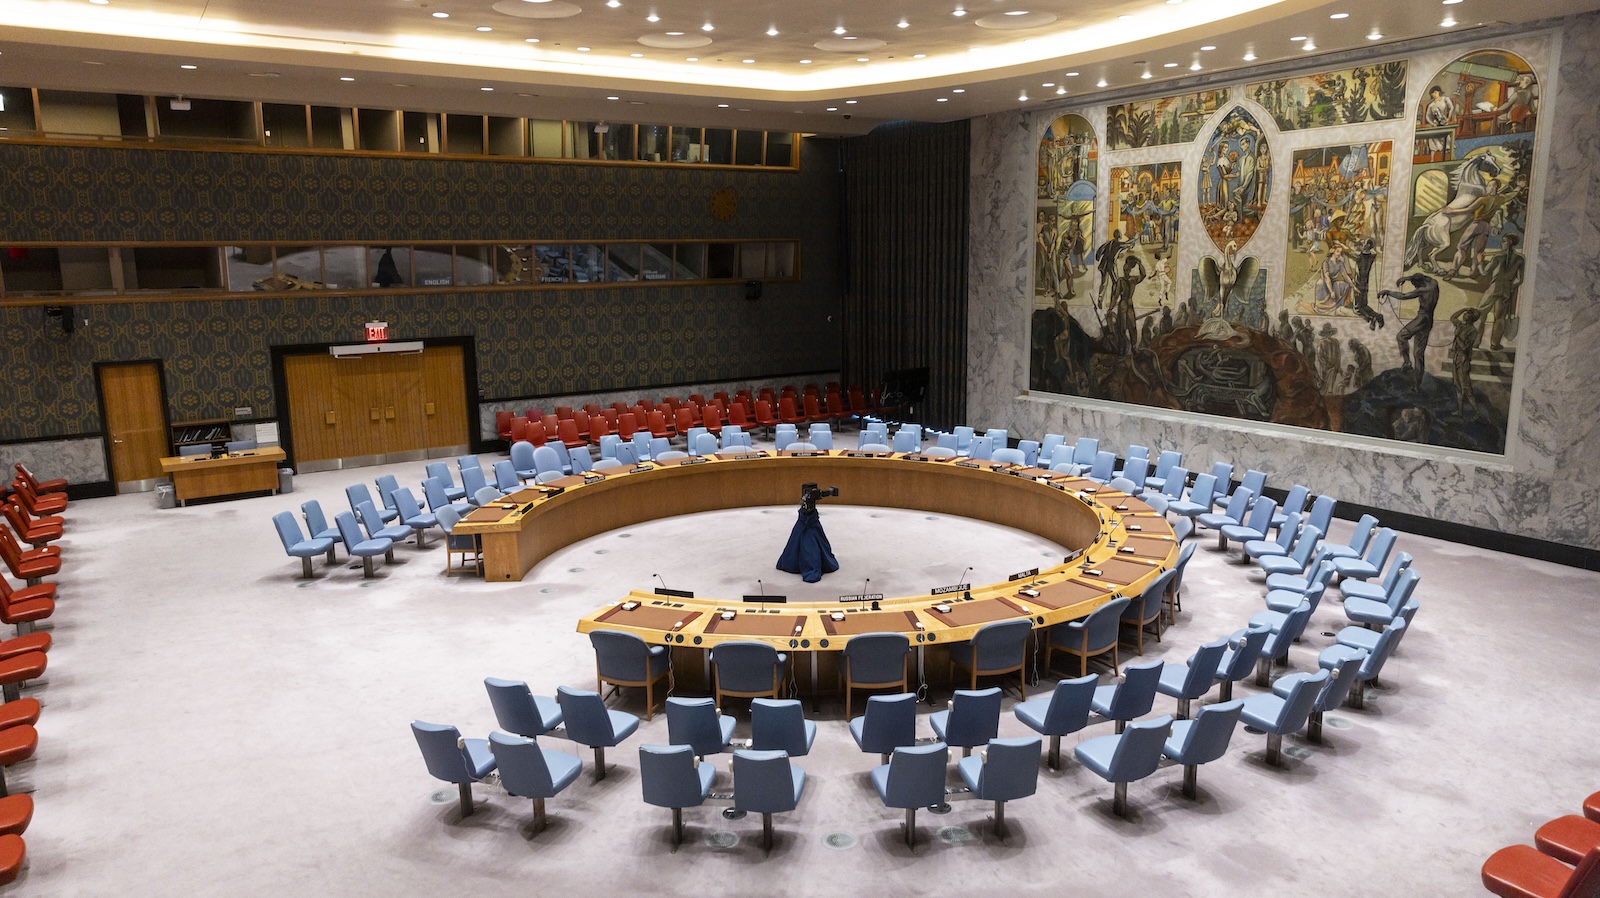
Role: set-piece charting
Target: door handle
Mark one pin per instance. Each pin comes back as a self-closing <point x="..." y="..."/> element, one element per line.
<point x="389" y="412"/>
<point x="115" y="440"/>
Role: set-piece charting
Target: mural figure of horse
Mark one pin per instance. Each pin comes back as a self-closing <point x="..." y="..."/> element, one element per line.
<point x="1471" y="182"/>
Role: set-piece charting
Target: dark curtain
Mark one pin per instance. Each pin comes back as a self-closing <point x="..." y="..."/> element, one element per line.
<point x="905" y="291"/>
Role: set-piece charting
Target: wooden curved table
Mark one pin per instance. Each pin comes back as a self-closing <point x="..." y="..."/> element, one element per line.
<point x="1119" y="543"/>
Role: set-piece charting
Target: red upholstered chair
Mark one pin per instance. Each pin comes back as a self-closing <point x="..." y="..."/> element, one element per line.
<point x="21" y="645"/>
<point x="697" y="398"/>
<point x="16" y="671"/>
<point x="519" y="430"/>
<point x="764" y="416"/>
<point x="721" y="398"/>
<point x="31" y="565"/>
<point x="859" y="406"/>
<point x="659" y="426"/>
<point x="37" y="505"/>
<point x="738" y="418"/>
<point x="27" y="593"/>
<point x="32" y="530"/>
<point x="834" y="407"/>
<point x="787" y="413"/>
<point x="502" y="424"/>
<point x="57" y="485"/>
<point x="535" y="414"/>
<point x="627" y="425"/>
<point x="12" y="853"/>
<point x="24" y="712"/>
<point x="563" y="411"/>
<point x="16" y="812"/>
<point x="16" y="745"/>
<point x="1568" y="839"/>
<point x="711" y="418"/>
<point x="1591" y="807"/>
<point x="767" y="394"/>
<point x="814" y="412"/>
<point x="789" y="391"/>
<point x="21" y="613"/>
<point x="49" y="520"/>
<point x="581" y="418"/>
<point x="683" y="419"/>
<point x="592" y="408"/>
<point x="598" y="427"/>
<point x="620" y="407"/>
<point x="568" y="434"/>
<point x="1518" y="871"/>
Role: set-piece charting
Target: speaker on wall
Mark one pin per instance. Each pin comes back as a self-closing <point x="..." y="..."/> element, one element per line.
<point x="752" y="290"/>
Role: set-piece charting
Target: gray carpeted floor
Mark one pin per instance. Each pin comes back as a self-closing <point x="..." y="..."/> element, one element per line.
<point x="215" y="726"/>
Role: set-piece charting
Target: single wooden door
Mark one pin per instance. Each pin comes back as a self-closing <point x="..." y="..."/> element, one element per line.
<point x="136" y="420"/>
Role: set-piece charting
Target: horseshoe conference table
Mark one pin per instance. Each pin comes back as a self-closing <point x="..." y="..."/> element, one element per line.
<point x="1117" y="544"/>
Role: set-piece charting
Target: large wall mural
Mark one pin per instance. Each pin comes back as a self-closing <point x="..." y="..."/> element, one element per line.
<point x="1384" y="298"/>
<point x="1064" y="219"/>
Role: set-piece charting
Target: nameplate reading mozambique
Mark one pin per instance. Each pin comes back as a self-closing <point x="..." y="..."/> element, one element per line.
<point x="944" y="590"/>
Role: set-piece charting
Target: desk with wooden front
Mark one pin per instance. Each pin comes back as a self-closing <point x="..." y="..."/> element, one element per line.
<point x="201" y="476"/>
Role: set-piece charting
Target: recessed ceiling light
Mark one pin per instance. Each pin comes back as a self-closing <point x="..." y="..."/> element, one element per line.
<point x="772" y="31"/>
<point x="613" y="3"/>
<point x="1449" y="22"/>
<point x="486" y="88"/>
<point x="1072" y="74"/>
<point x="346" y="78"/>
<point x="1339" y="15"/>
<point x="747" y="61"/>
<point x="862" y="59"/>
<point x="583" y="49"/>
<point x="674" y="34"/>
<point x="1194" y="66"/>
<point x="838" y="29"/>
<point x="849" y="102"/>
<point x="903" y="24"/>
<point x="1297" y="39"/>
<point x="100" y="2"/>
<point x="530" y="40"/>
<point x="613" y="98"/>
<point x="187" y="66"/>
<point x="919" y="56"/>
<point x="1048" y="84"/>
<point x="707" y="27"/>
<point x="691" y="59"/>
<point x="959" y="90"/>
<point x="652" y="18"/>
<point x="1100" y="83"/>
<point x="1022" y="97"/>
<point x="251" y="74"/>
<point x="833" y="109"/>
<point x="1124" y="17"/>
<point x="1016" y="12"/>
<point x="805" y="62"/>
<point x="637" y="55"/>
<point x="1145" y="74"/>
<point x="958" y="12"/>
<point x="1451" y="2"/>
<point x="942" y="100"/>
<point x="1061" y="90"/>
<point x="1208" y="47"/>
<point x="1249" y="56"/>
<point x="1309" y="45"/>
<point x="407" y="85"/>
<point x="1169" y="65"/>
<point x="1375" y="36"/>
<point x="441" y="15"/>
<point x="484" y="28"/>
<point x="722" y="105"/>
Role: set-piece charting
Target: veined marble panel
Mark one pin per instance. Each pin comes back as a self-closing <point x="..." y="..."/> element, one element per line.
<point x="81" y="460"/>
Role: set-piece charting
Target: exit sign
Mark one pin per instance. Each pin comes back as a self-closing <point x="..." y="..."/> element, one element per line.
<point x="377" y="330"/>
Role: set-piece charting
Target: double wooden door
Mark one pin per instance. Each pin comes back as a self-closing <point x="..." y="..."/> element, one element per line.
<point x="367" y="405"/>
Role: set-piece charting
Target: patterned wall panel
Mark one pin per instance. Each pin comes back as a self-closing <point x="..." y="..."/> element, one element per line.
<point x="529" y="342"/>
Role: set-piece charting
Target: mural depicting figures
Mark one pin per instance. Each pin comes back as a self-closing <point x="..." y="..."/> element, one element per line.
<point x="1144" y="206"/>
<point x="1164" y="120"/>
<point x="1372" y="93"/>
<point x="1338" y="202"/>
<point x="1064" y="216"/>
<point x="1235" y="179"/>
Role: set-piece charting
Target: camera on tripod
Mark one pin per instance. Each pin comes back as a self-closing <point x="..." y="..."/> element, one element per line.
<point x="810" y="493"/>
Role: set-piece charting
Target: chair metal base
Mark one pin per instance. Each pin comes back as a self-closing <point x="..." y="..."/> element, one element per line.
<point x="1055" y="753"/>
<point x="366" y="568"/>
<point x="911" y="828"/>
<point x="1000" y="820"/>
<point x="1274" y="749"/>
<point x="466" y="799"/>
<point x="1119" y="800"/>
<point x="677" y="828"/>
<point x="538" y="815"/>
<point x="1191" y="778"/>
<point x="599" y="763"/>
<point x="1314" y="727"/>
<point x="305" y="567"/>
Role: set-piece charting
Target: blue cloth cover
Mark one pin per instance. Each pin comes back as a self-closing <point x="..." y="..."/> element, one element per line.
<point x="808" y="553"/>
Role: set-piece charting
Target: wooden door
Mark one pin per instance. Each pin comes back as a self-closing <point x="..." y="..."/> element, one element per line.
<point x="316" y="418"/>
<point x="136" y="420"/>
<point x="367" y="405"/>
<point x="444" y="404"/>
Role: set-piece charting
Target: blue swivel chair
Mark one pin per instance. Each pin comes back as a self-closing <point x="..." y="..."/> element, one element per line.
<point x="1173" y="600"/>
<point x="1372" y="564"/>
<point x="705" y="444"/>
<point x="297" y="545"/>
<point x="905" y="441"/>
<point x="485" y="495"/>
<point x="1084" y="452"/>
<point x="547" y="464"/>
<point x="783" y="436"/>
<point x="981" y="448"/>
<point x="1222" y="474"/>
<point x="452" y="758"/>
<point x="1202" y="740"/>
<point x="1100" y="470"/>
<point x="1030" y="451"/>
<point x="1360" y="540"/>
<point x="1171" y="490"/>
<point x="1000" y="435"/>
<point x="589" y="722"/>
<point x="1256" y="525"/>
<point x="1165" y="463"/>
<point x="1382" y="648"/>
<point x="563" y="454"/>
<point x="1187" y="682"/>
<point x="821" y="436"/>
<point x="1063" y="712"/>
<point x="1299" y="559"/>
<point x="468" y="461"/>
<point x="1130" y="699"/>
<point x="387" y="484"/>
<point x="641" y="446"/>
<point x="608" y="446"/>
<point x="671" y="778"/>
<point x="1240" y="657"/>
<point x="318" y="527"/>
<point x="1282" y="544"/>
<point x="1344" y="678"/>
<point x="1128" y="756"/>
<point x="372" y="520"/>
<point x="1365" y="638"/>
<point x="1294" y="503"/>
<point x="623" y="659"/>
<point x="691" y="439"/>
<point x="358" y="544"/>
<point x="457" y="544"/>
<point x="605" y="464"/>
<point x="1381" y="591"/>
<point x="475" y="483"/>
<point x="997" y="649"/>
<point x="1047" y="446"/>
<point x="913" y="778"/>
<point x="695" y="722"/>
<point x="1009" y="457"/>
<point x="765" y="783"/>
<point x="505" y="477"/>
<point x="873" y="447"/>
<point x="1233" y="512"/>
<point x="1199" y="498"/>
<point x="235" y="446"/>
<point x="522" y="460"/>
<point x="889" y="723"/>
<point x="748" y="670"/>
<point x="528" y="771"/>
<point x="1284" y="710"/>
<point x="963" y="435"/>
<point x="874" y="661"/>
<point x="195" y="449"/>
<point x="441" y="472"/>
<point x="412" y="515"/>
<point x="358" y="493"/>
<point x="1284" y="593"/>
<point x="1094" y="635"/>
<point x="433" y="490"/>
<point x="971" y="720"/>
<point x="1322" y="513"/>
<point x="518" y="710"/>
<point x="1254" y="481"/>
<point x="1148" y="608"/>
<point x="1133" y="471"/>
<point x="780" y="725"/>
<point x="1285" y="629"/>
<point x="1007" y="770"/>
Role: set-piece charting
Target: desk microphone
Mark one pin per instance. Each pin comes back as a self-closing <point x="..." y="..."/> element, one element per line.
<point x="663" y="582"/>
<point x="866" y="583"/>
<point x="759" y="586"/>
<point x="963" y="577"/>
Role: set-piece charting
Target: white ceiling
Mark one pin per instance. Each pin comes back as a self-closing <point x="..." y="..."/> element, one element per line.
<point x="806" y="77"/>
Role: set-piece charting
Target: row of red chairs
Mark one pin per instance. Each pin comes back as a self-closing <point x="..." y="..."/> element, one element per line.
<point x="671" y="417"/>
<point x="1566" y="863"/>
<point x="34" y="519"/>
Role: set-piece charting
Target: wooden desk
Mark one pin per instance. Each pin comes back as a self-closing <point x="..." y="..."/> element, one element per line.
<point x="200" y="476"/>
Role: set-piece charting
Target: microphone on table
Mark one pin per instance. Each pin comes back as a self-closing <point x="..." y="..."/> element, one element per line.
<point x="761" y="588"/>
<point x="663" y="582"/>
<point x="965" y="593"/>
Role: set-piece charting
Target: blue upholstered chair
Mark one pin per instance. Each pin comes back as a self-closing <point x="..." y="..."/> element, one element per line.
<point x="412" y="514"/>
<point x="452" y="758"/>
<point x="780" y="724"/>
<point x="1173" y="599"/>
<point x="1254" y="481"/>
<point x="518" y="710"/>
<point x="1161" y="498"/>
<point x="454" y="544"/>
<point x="939" y="452"/>
<point x="1187" y="682"/>
<point x="1346" y="673"/>
<point x="873" y="661"/>
<point x="485" y="495"/>
<point x="233" y="446"/>
<point x="505" y="477"/>
<point x="1202" y="740"/>
<point x="1030" y="451"/>
<point x="522" y="460"/>
<point x="475" y="483"/>
<point x="434" y="491"/>
<point x="695" y="722"/>
<point x="1284" y="593"/>
<point x="317" y="526"/>
<point x="297" y="545"/>
<point x="1133" y="471"/>
<point x="1233" y="512"/>
<point x="1322" y="513"/>
<point x="1299" y="559"/>
<point x="1382" y="648"/>
<point x="1047" y="446"/>
<point x="889" y="723"/>
<point x="563" y="454"/>
<point x="998" y="648"/>
<point x="547" y="464"/>
<point x="358" y="493"/>
<point x="704" y="444"/>
<point x="1360" y="539"/>
<point x="1130" y="755"/>
<point x="194" y="449"/>
<point x="1382" y="591"/>
<point x="1009" y="457"/>
<point x="1284" y="710"/>
<point x="1085" y="451"/>
<point x="963" y="435"/>
<point x="913" y="778"/>
<point x="371" y="519"/>
<point x="1240" y="657"/>
<point x="1372" y="563"/>
<point x="441" y="472"/>
<point x="820" y="435"/>
<point x="1147" y="609"/>
<point x="971" y="720"/>
<point x="1199" y="498"/>
<point x="589" y="722"/>
<point x="1165" y="463"/>
<point x="1293" y="503"/>
<point x="387" y="484"/>
<point x="623" y="659"/>
<point x="1285" y="629"/>
<point x="605" y="464"/>
<point x="981" y="448"/>
<point x="748" y="670"/>
<point x="671" y="778"/>
<point x="1365" y="638"/>
<point x="1130" y="699"/>
<point x="1101" y="469"/>
<point x="1222" y="481"/>
<point x="1282" y="544"/>
<point x="765" y="783"/>
<point x="802" y="446"/>
<point x="669" y="455"/>
<point x="1256" y="525"/>
<point x="528" y="771"/>
<point x="940" y="441"/>
<point x="1093" y="635"/>
<point x="1006" y="771"/>
<point x="873" y="447"/>
<point x="358" y="544"/>
<point x="1063" y="712"/>
<point x="783" y="436"/>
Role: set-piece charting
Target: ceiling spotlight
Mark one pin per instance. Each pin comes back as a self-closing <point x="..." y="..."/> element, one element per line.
<point x="1376" y="35"/>
<point x="1072" y="74"/>
<point x="942" y="100"/>
<point x="674" y="34"/>
<point x="1060" y="91"/>
<point x="530" y="40"/>
<point x="100" y="2"/>
<point x="958" y="90"/>
<point x="1048" y="84"/>
<point x="1449" y="22"/>
<point x="1173" y="2"/>
<point x="346" y="78"/>
<point x="613" y="3"/>
<point x="1249" y="56"/>
<point x="1297" y="39"/>
<point x="486" y="88"/>
<point x="691" y="59"/>
<point x="958" y="12"/>
<point x="919" y="56"/>
<point x="833" y="109"/>
<point x="838" y="29"/>
<point x="1022" y="97"/>
<point x="441" y="15"/>
<point x="1194" y="66"/>
<point x="722" y="105"/>
<point x="1208" y="48"/>
<point x="747" y="61"/>
<point x="1016" y="12"/>
<point x="862" y="59"/>
<point x="903" y="24"/>
<point x="1100" y="83"/>
<point x="652" y="18"/>
<point x="850" y="102"/>
<point x="484" y="28"/>
<point x="1339" y="15"/>
<point x="613" y="98"/>
<point x="1146" y="74"/>
<point x="1451" y="2"/>
<point x="1309" y="45"/>
<point x="805" y="62"/>
<point x="1169" y="65"/>
<point x="583" y="49"/>
<point x="187" y="66"/>
<point x="707" y="27"/>
<point x="637" y="55"/>
<point x="772" y="31"/>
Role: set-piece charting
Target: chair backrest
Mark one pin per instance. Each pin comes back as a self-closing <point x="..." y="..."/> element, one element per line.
<point x="1298" y="700"/>
<point x="1010" y="769"/>
<point x="1138" y="751"/>
<point x="1222" y="475"/>
<point x="916" y="776"/>
<point x="820" y="435"/>
<point x="448" y="519"/>
<point x="1205" y="486"/>
<point x="1203" y="668"/>
<point x="1183" y="528"/>
<point x="1207" y="738"/>
<point x="1104" y="464"/>
<point x="433" y="491"/>
<point x="764" y="783"/>
<point x="1084" y="452"/>
<point x="1029" y="450"/>
<point x="1299" y="494"/>
<point x="1400" y="595"/>
<point x="505" y="476"/>
<point x="890" y="721"/>
<point x="1154" y="592"/>
<point x="667" y="773"/>
<point x="1383" y="648"/>
<point x="802" y="446"/>
<point x="1049" y="443"/>
<point x="1338" y="687"/>
<point x="876" y="657"/>
<point x="440" y="471"/>
<point x="695" y="722"/>
<point x="1255" y="481"/>
<point x="522" y="767"/>
<point x="1135" y="469"/>
<point x="357" y="493"/>
<point x="999" y="645"/>
<point x="441" y="750"/>
<point x="371" y="521"/>
<point x="349" y="531"/>
<point x="288" y="529"/>
<point x="1104" y="624"/>
<point x="1305" y="545"/>
<point x="981" y="447"/>
<point x="522" y="456"/>
<point x="1009" y="457"/>
<point x="316" y="522"/>
<point x="387" y="484"/>
<point x="1322" y="512"/>
<point x="779" y="724"/>
<point x="963" y="435"/>
<point x="1166" y="461"/>
<point x="904" y="441"/>
<point x="1068" y="711"/>
<point x="1177" y="479"/>
<point x="974" y="717"/>
<point x="1136" y="694"/>
<point x="1238" y="504"/>
<point x="547" y="459"/>
<point x="670" y="455"/>
<point x="581" y="459"/>
<point x="705" y="444"/>
<point x="468" y="461"/>
<point x="1397" y="566"/>
<point x="1246" y="645"/>
<point x="1362" y="535"/>
<point x="195" y="449"/>
<point x="486" y="494"/>
<point x="240" y="446"/>
<point x="1288" y="532"/>
<point x="405" y="502"/>
<point x="1293" y="625"/>
<point x="585" y="717"/>
<point x="472" y="480"/>
<point x="514" y="708"/>
<point x="1000" y="435"/>
<point x="608" y="445"/>
<point x="1261" y="515"/>
<point x="620" y="656"/>
<point x="745" y="666"/>
<point x="1382" y="545"/>
<point x="1184" y="554"/>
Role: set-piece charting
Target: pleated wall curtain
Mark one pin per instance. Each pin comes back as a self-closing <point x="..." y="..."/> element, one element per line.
<point x="905" y="290"/>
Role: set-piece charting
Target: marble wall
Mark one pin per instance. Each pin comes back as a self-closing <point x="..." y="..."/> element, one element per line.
<point x="1546" y="486"/>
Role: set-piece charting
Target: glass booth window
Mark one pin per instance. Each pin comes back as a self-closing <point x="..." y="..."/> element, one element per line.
<point x="623" y="262"/>
<point x="431" y="266"/>
<point x="296" y="268"/>
<point x="514" y="264"/>
<point x="556" y="262"/>
<point x="588" y="263"/>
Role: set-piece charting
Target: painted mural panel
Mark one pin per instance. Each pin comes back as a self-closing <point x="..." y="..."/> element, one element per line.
<point x="1338" y="202"/>
<point x="1063" y="229"/>
<point x="1161" y="121"/>
<point x="1137" y="289"/>
<point x="1235" y="180"/>
<point x="1370" y="93"/>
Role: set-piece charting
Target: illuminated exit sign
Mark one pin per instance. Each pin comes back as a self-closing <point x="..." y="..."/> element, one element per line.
<point x="377" y="330"/>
